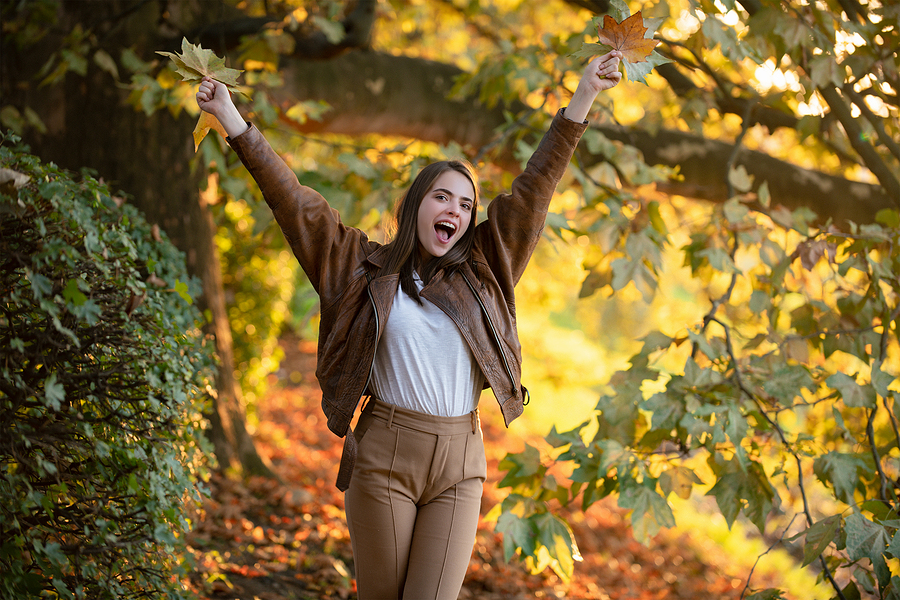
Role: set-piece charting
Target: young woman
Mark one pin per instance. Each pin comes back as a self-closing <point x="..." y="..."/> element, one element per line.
<point x="418" y="326"/>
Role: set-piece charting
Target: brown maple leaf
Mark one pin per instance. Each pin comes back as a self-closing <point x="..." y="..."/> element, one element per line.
<point x="627" y="37"/>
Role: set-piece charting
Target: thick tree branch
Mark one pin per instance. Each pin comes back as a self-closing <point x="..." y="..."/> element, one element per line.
<point x="874" y="120"/>
<point x="378" y="93"/>
<point x="769" y="117"/>
<point x="598" y="7"/>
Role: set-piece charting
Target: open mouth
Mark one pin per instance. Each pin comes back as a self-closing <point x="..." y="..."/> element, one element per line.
<point x="444" y="230"/>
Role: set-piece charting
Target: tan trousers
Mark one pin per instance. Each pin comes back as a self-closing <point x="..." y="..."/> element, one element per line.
<point x="413" y="502"/>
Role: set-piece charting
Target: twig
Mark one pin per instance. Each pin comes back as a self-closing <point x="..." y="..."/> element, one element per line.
<point x="780" y="539"/>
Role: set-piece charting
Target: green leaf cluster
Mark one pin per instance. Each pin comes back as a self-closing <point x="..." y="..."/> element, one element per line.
<point x="104" y="381"/>
<point x="530" y="530"/>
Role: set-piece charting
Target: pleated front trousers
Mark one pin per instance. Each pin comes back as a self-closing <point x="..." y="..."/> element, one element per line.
<point x="413" y="502"/>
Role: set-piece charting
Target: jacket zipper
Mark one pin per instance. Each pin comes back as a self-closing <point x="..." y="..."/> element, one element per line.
<point x="374" y="310"/>
<point x="509" y="374"/>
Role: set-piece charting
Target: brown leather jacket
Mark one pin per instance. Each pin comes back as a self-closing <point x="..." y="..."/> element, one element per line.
<point x="479" y="297"/>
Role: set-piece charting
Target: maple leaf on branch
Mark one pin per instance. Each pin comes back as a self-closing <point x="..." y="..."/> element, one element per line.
<point x="632" y="35"/>
<point x="193" y="64"/>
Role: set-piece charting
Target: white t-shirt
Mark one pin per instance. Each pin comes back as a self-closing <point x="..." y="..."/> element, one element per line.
<point x="423" y="363"/>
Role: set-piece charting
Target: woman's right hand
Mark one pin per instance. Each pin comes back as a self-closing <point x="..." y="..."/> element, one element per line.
<point x="213" y="97"/>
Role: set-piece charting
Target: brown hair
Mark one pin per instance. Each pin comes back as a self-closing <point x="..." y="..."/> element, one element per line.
<point x="403" y="255"/>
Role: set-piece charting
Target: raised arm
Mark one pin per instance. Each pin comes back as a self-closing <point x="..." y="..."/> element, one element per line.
<point x="516" y="220"/>
<point x="328" y="251"/>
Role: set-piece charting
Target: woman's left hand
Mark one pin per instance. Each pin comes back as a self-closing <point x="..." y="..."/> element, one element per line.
<point x="601" y="74"/>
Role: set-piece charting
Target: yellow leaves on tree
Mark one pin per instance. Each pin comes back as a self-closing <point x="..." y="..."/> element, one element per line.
<point x="193" y="64"/>
<point x="627" y="37"/>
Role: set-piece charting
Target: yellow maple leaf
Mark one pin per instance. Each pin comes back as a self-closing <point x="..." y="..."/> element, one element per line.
<point x="207" y="122"/>
<point x="627" y="37"/>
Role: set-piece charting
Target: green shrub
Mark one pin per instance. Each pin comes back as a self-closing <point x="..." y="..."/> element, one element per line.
<point x="102" y="385"/>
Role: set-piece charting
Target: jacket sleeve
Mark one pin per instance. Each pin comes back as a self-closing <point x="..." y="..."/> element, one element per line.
<point x="327" y="250"/>
<point x="516" y="220"/>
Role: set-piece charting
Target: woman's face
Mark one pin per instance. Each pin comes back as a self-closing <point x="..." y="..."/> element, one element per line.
<point x="444" y="214"/>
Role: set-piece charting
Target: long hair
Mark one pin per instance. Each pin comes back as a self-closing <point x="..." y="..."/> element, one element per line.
<point x="403" y="254"/>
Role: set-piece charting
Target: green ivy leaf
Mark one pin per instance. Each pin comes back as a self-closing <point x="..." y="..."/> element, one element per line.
<point x="181" y="288"/>
<point x="54" y="392"/>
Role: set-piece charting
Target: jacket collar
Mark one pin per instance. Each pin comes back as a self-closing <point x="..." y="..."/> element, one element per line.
<point x="376" y="258"/>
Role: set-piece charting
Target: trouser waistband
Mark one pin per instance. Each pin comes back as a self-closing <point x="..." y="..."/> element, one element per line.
<point x="419" y="421"/>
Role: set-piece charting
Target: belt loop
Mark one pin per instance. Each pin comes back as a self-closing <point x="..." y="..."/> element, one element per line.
<point x="474" y="414"/>
<point x="391" y="417"/>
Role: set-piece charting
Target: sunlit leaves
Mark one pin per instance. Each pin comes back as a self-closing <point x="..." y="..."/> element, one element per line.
<point x="796" y="348"/>
<point x="543" y="539"/>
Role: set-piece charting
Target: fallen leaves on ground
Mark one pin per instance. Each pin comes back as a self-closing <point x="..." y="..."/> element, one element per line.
<point x="261" y="539"/>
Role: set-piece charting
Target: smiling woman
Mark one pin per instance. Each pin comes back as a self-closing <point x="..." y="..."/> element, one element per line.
<point x="445" y="213"/>
<point x="417" y="327"/>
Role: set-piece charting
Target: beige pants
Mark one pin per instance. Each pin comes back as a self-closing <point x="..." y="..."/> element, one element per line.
<point x="413" y="502"/>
